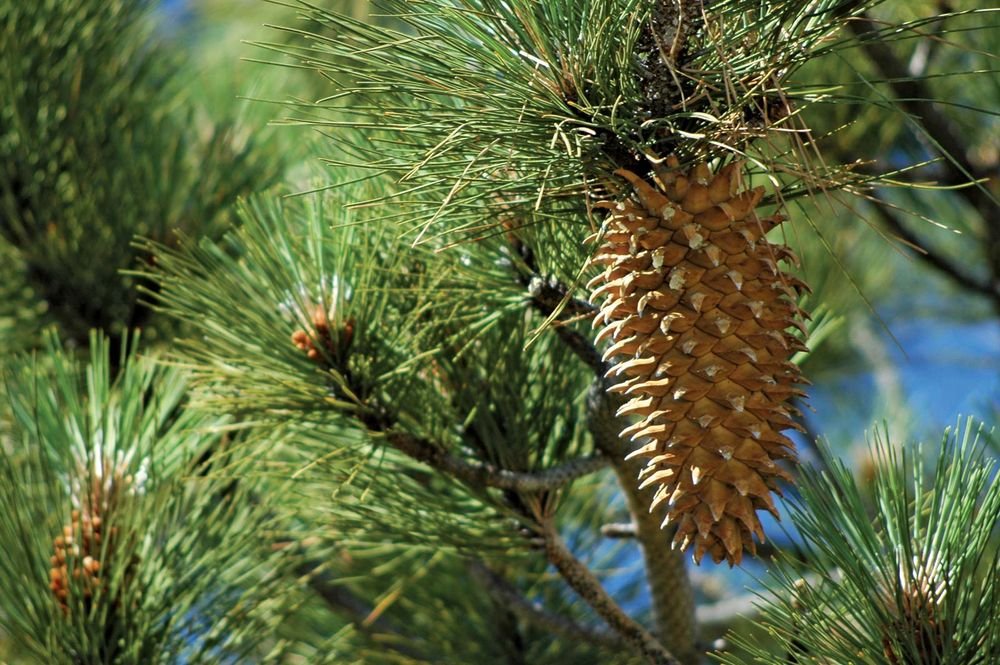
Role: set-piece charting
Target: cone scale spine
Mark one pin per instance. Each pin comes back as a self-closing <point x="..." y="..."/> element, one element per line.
<point x="696" y="313"/>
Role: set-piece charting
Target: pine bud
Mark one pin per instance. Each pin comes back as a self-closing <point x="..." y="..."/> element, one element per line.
<point x="917" y="619"/>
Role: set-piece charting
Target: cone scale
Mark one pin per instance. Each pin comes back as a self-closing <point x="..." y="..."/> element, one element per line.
<point x="696" y="313"/>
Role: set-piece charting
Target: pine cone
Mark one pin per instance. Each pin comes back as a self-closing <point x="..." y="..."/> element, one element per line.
<point x="697" y="312"/>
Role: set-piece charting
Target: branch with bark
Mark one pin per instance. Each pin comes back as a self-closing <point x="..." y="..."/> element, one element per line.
<point x="915" y="98"/>
<point x="483" y="474"/>
<point x="670" y="587"/>
<point x="579" y="577"/>
<point x="534" y="613"/>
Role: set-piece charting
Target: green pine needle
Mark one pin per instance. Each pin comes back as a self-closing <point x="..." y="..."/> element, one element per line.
<point x="115" y="551"/>
<point x="908" y="573"/>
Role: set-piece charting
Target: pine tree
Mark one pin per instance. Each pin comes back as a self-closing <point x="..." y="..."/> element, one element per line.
<point x="527" y="322"/>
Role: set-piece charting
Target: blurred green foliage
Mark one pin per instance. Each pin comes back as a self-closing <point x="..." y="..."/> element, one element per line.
<point x="100" y="141"/>
<point x="106" y="501"/>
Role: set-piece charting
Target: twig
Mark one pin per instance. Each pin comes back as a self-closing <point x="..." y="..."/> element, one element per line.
<point x="342" y="601"/>
<point x="931" y="258"/>
<point x="765" y="550"/>
<point x="578" y="344"/>
<point x="487" y="475"/>
<point x="582" y="348"/>
<point x="810" y="438"/>
<point x="924" y="51"/>
<point x="546" y="296"/>
<point x="885" y="372"/>
<point x="626" y="530"/>
<point x="620" y="530"/>
<point x="589" y="588"/>
<point x="670" y="587"/>
<point x="506" y="593"/>
<point x="916" y="99"/>
<point x="719" y="616"/>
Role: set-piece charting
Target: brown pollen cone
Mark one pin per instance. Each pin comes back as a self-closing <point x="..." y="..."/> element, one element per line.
<point x="82" y="554"/>
<point x="322" y="337"/>
<point x="696" y="311"/>
<point x="78" y="548"/>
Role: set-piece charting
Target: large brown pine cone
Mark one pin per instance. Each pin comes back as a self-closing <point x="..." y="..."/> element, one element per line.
<point x="697" y="312"/>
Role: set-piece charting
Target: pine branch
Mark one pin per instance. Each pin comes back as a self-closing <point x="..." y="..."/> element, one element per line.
<point x="488" y="475"/>
<point x="547" y="295"/>
<point x="533" y="612"/>
<point x="905" y="567"/>
<point x="99" y="147"/>
<point x="914" y="97"/>
<point x="588" y="587"/>
<point x="674" y="620"/>
<point x="342" y="601"/>
<point x="931" y="257"/>
<point x="670" y="587"/>
<point x="673" y="597"/>
<point x="101" y="486"/>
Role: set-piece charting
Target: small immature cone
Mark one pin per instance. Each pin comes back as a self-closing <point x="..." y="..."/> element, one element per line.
<point x="696" y="311"/>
